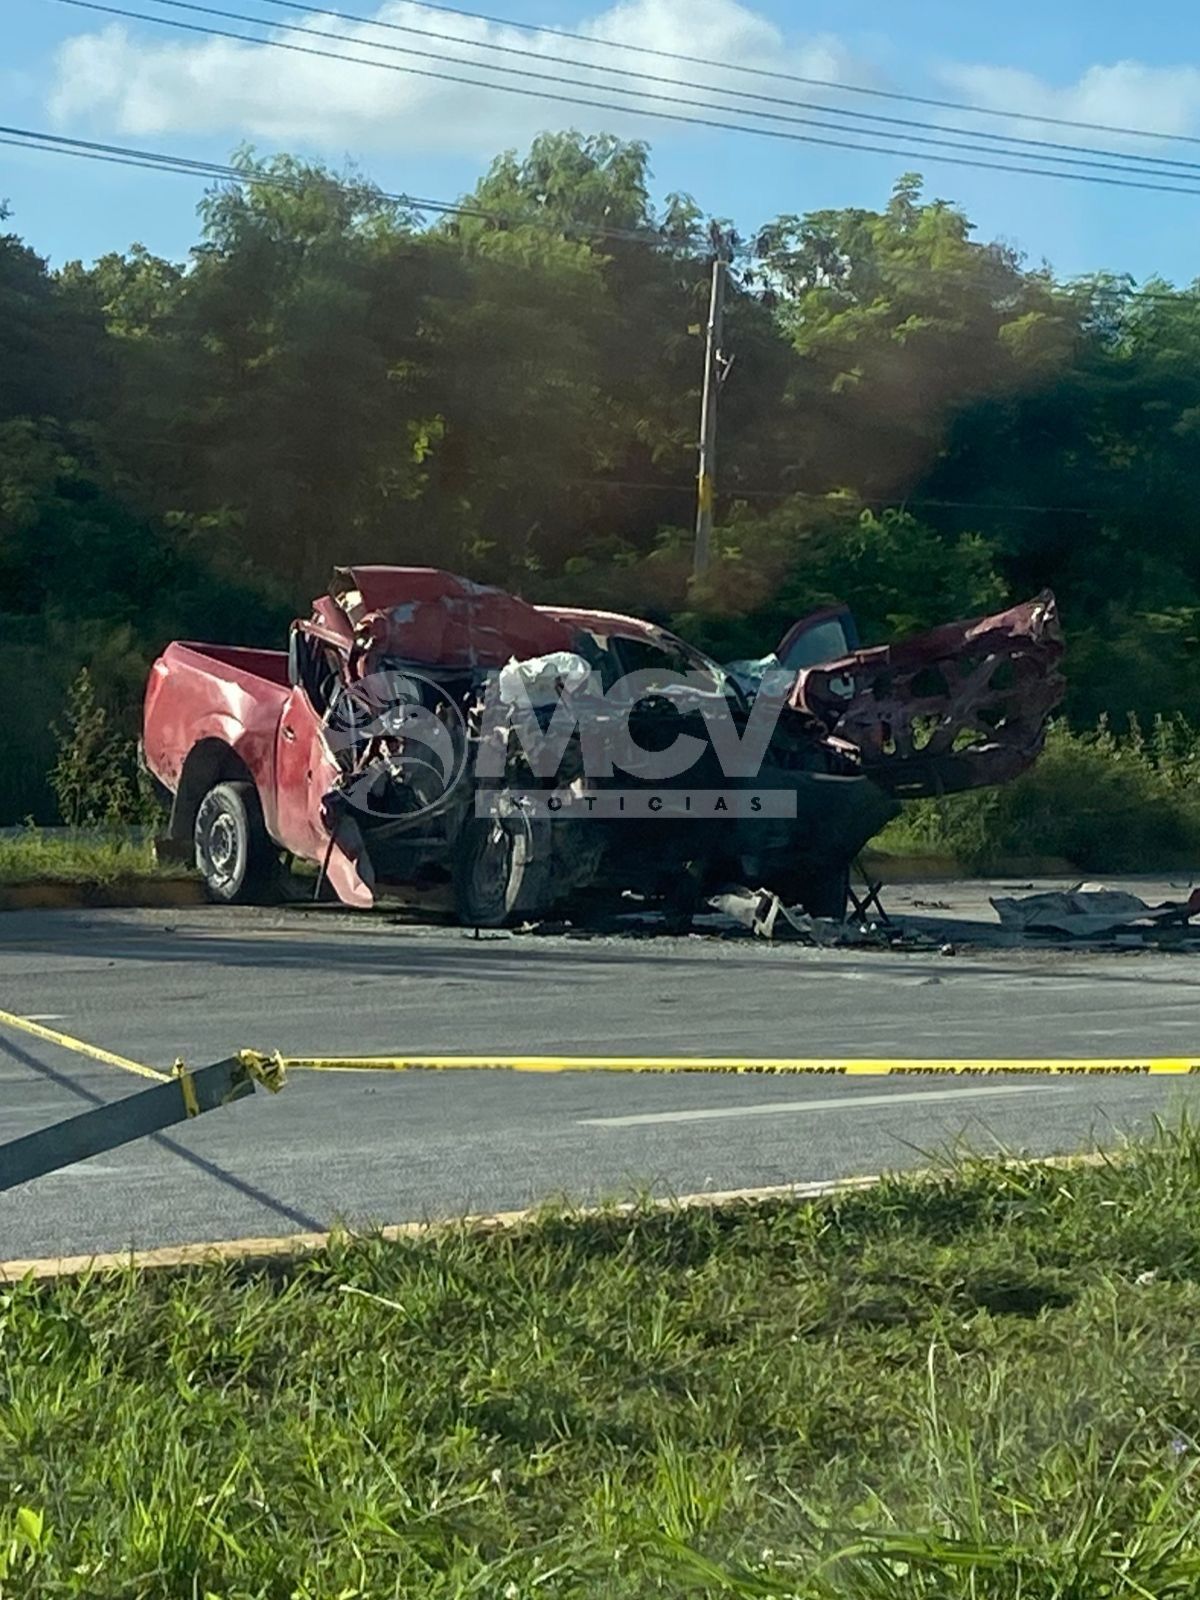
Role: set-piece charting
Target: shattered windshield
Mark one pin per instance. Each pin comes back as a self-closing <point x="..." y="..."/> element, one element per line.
<point x="672" y="665"/>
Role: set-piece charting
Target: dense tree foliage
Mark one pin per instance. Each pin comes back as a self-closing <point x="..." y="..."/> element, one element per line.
<point x="914" y="422"/>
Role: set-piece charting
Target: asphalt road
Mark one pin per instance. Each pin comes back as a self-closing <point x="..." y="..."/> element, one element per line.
<point x="381" y="1148"/>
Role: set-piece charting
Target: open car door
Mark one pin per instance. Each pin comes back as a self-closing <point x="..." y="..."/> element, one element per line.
<point x="826" y="635"/>
<point x="306" y="774"/>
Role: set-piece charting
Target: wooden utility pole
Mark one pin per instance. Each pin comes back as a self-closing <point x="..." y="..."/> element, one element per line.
<point x="715" y="367"/>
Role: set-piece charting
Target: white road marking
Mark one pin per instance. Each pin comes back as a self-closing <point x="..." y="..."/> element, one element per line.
<point x="44" y="1016"/>
<point x="781" y="1107"/>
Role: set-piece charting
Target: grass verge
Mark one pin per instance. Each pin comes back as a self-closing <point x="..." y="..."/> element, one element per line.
<point x="981" y="1386"/>
<point x="1107" y="801"/>
<point x="92" y="857"/>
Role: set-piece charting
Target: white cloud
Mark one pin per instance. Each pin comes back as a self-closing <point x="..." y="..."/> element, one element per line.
<point x="1127" y="94"/>
<point x="144" y="85"/>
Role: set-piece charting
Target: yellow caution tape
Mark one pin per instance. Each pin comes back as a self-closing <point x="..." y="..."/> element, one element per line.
<point x="264" y="1069"/>
<point x="270" y="1069"/>
<point x="820" y="1066"/>
<point x="187" y="1088"/>
<point x="80" y="1046"/>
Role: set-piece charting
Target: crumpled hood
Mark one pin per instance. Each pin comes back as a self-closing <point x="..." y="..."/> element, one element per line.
<point x="435" y="618"/>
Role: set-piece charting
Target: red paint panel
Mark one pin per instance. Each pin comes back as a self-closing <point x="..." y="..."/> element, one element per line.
<point x="421" y="614"/>
<point x="196" y="692"/>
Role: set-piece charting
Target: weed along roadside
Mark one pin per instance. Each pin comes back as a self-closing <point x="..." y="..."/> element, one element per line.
<point x="975" y="1384"/>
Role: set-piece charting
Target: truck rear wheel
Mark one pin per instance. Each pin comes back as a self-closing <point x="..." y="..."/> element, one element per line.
<point x="234" y="852"/>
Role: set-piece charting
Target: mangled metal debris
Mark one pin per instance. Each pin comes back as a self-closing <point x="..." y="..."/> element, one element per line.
<point x="960" y="707"/>
<point x="762" y="913"/>
<point x="425" y="731"/>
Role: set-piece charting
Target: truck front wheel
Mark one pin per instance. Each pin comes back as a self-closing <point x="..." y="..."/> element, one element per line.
<point x="234" y="852"/>
<point x="501" y="870"/>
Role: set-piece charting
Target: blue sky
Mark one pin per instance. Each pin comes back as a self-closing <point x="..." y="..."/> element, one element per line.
<point x="78" y="73"/>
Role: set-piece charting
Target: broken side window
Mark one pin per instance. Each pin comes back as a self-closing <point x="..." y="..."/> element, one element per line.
<point x="824" y="641"/>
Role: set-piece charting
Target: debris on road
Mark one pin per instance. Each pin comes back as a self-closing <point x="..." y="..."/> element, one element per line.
<point x="766" y="916"/>
<point x="1091" y="911"/>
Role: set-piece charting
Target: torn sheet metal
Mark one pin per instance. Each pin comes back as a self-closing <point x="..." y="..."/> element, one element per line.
<point x="421" y="614"/>
<point x="1090" y="911"/>
<point x="962" y="706"/>
<point x="765" y="915"/>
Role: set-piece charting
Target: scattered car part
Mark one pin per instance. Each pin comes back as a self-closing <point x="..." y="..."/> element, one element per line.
<point x="1090" y="911"/>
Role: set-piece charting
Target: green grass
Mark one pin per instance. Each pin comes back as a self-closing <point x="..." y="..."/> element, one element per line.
<point x="1105" y="801"/>
<point x="981" y="1387"/>
<point x="33" y="856"/>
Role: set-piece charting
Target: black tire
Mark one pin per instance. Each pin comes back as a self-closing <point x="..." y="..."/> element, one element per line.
<point x="501" y="870"/>
<point x="234" y="852"/>
<point x="827" y="894"/>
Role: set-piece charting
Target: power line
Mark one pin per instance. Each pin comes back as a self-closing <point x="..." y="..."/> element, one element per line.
<point x="608" y="105"/>
<point x="1071" y="287"/>
<point x="492" y="47"/>
<point x="848" y="503"/>
<point x="223" y="172"/>
<point x="834" y="500"/>
<point x="831" y="499"/>
<point x="971" y="143"/>
<point x="810" y="82"/>
<point x="156" y="161"/>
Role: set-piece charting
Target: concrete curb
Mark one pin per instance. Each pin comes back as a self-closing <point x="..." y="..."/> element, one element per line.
<point x="172" y="893"/>
<point x="121" y="893"/>
<point x="943" y="869"/>
<point x="250" y="1252"/>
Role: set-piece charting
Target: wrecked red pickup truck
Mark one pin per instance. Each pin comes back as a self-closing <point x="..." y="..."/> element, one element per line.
<point x="960" y="707"/>
<point x="422" y="729"/>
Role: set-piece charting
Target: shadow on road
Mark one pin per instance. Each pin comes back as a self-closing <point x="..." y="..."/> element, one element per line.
<point x="211" y="1169"/>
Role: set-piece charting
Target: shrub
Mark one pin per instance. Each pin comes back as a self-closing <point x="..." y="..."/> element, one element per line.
<point x="95" y="777"/>
<point x="1104" y="800"/>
